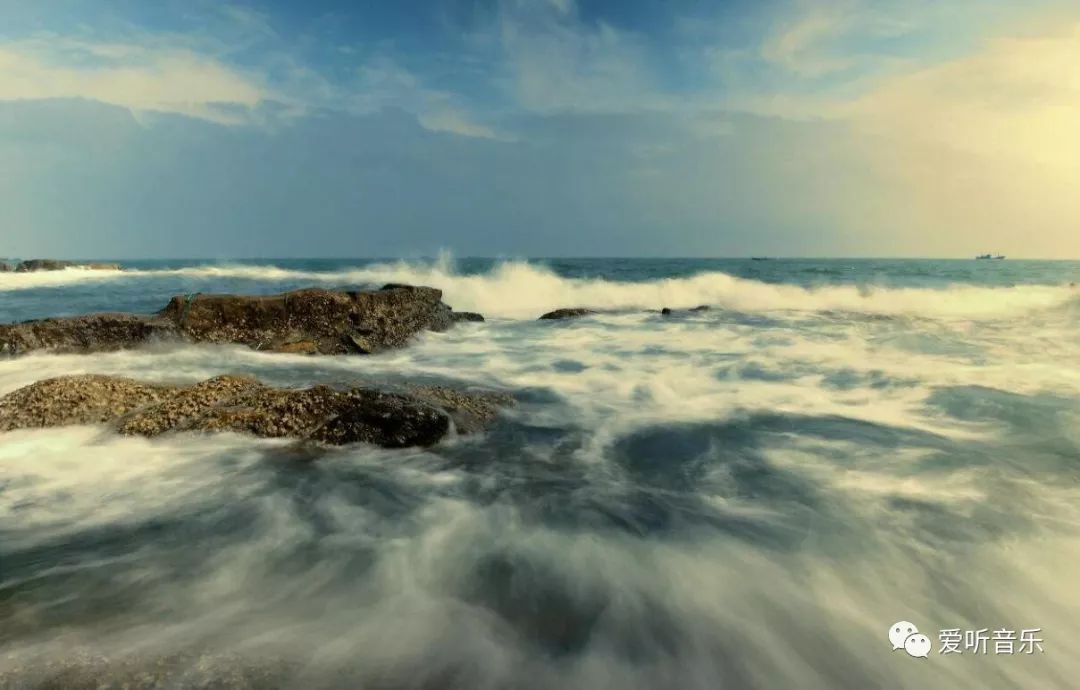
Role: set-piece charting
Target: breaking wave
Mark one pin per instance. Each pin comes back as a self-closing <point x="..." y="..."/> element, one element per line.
<point x="723" y="499"/>
<point x="520" y="289"/>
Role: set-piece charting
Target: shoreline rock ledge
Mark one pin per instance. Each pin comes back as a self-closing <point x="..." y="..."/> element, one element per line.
<point x="334" y="416"/>
<point x="309" y="321"/>
<point x="34" y="265"/>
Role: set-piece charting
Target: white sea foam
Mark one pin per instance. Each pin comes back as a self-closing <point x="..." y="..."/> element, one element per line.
<point x="517" y="289"/>
<point x="863" y="503"/>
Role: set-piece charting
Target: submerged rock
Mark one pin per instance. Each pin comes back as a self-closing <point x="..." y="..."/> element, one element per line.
<point x="471" y="411"/>
<point x="242" y="404"/>
<point x="311" y="321"/>
<point x="55" y="265"/>
<point x="567" y="313"/>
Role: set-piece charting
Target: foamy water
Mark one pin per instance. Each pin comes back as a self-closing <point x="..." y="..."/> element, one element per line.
<point x="745" y="497"/>
<point x="517" y="289"/>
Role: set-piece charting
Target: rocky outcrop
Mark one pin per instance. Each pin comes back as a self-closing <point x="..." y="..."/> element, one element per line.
<point x="4" y="268"/>
<point x="471" y="411"/>
<point x="90" y="333"/>
<point x="54" y="265"/>
<point x="467" y="316"/>
<point x="304" y="321"/>
<point x="42" y="265"/>
<point x="567" y="313"/>
<point x="313" y="320"/>
<point x="335" y="416"/>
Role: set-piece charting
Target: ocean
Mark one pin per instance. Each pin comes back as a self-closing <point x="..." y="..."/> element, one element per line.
<point x="748" y="496"/>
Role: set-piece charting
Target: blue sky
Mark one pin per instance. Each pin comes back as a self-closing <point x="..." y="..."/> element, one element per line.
<point x="539" y="127"/>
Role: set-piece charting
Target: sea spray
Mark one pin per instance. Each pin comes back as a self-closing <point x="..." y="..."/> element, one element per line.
<point x="744" y="497"/>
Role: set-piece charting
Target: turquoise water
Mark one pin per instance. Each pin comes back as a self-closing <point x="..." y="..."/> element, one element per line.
<point x="743" y="497"/>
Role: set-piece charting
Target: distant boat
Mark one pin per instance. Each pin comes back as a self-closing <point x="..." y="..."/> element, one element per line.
<point x="990" y="256"/>
<point x="760" y="258"/>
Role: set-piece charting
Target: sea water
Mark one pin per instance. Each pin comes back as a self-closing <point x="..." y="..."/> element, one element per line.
<point x="747" y="496"/>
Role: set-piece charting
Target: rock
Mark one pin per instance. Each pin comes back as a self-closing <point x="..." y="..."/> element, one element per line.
<point x="567" y="313"/>
<point x="312" y="321"/>
<point x="90" y="333"/>
<point x="701" y="307"/>
<point x="467" y="316"/>
<point x="470" y="410"/>
<point x="324" y="321"/>
<point x="665" y="311"/>
<point x="54" y="265"/>
<point x="242" y="404"/>
<point x="42" y="265"/>
<point x="4" y="268"/>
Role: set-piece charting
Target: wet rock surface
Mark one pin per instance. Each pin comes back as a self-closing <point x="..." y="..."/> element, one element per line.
<point x="567" y="313"/>
<point x="324" y="321"/>
<point x="90" y="333"/>
<point x="467" y="316"/>
<point x="311" y="321"/>
<point x="334" y="416"/>
<point x="33" y="265"/>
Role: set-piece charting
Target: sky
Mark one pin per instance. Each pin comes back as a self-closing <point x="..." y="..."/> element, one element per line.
<point x="330" y="128"/>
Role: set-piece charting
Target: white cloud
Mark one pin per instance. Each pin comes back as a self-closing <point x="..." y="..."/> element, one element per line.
<point x="798" y="46"/>
<point x="454" y="122"/>
<point x="382" y="83"/>
<point x="137" y="77"/>
<point x="558" y="64"/>
<point x="984" y="146"/>
<point x="1018" y="99"/>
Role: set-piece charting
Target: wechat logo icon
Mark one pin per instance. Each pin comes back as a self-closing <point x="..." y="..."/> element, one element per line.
<point x="906" y="636"/>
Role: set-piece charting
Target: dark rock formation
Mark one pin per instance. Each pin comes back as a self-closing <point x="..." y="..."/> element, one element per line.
<point x="242" y="404"/>
<point x="54" y="265"/>
<point x="305" y="321"/>
<point x="42" y="265"/>
<point x="568" y="313"/>
<point x="668" y="311"/>
<point x="4" y="268"/>
<point x="90" y="333"/>
<point x="467" y="316"/>
<point x="313" y="320"/>
<point x="471" y="411"/>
